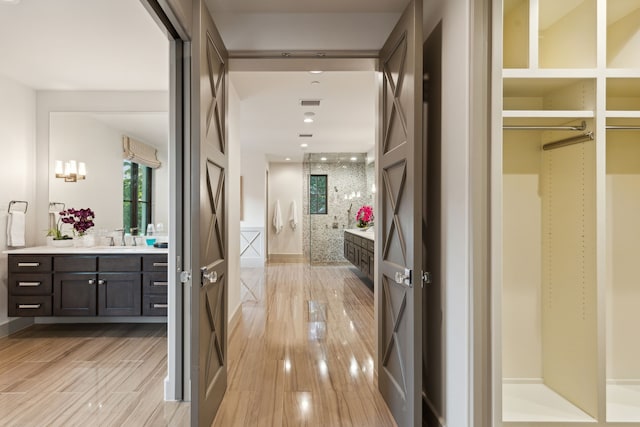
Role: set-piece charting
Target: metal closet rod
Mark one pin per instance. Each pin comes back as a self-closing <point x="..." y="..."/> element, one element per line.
<point x="614" y="127"/>
<point x="582" y="127"/>
<point x="568" y="141"/>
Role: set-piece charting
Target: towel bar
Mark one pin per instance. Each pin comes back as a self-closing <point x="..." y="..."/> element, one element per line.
<point x="14" y="202"/>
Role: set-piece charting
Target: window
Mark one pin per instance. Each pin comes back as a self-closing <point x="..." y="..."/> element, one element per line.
<point x="318" y="194"/>
<point x="136" y="199"/>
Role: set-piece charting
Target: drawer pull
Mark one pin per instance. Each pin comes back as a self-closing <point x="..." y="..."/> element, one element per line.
<point x="101" y="282"/>
<point x="160" y="264"/>
<point x="29" y="306"/>
<point x="160" y="283"/>
<point x="28" y="284"/>
<point x="156" y="305"/>
<point x="92" y="282"/>
<point x="28" y="264"/>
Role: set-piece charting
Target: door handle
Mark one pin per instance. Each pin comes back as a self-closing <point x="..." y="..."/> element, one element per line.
<point x="404" y="278"/>
<point x="208" y="276"/>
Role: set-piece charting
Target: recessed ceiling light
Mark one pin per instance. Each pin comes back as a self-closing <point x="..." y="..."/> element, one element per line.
<point x="308" y="120"/>
<point x="315" y="82"/>
<point x="304" y="145"/>
<point x="11" y="1"/>
<point x="324" y="159"/>
<point x="316" y="72"/>
<point x="288" y="158"/>
<point x="353" y="159"/>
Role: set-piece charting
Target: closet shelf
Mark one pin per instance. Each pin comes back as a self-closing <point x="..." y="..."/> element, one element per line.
<point x="617" y="114"/>
<point x="632" y="73"/>
<point x="547" y="73"/>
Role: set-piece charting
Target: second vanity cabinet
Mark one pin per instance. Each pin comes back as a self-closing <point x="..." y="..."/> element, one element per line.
<point x="88" y="285"/>
<point x="358" y="250"/>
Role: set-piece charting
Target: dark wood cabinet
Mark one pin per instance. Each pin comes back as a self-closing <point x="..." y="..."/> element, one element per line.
<point x="74" y="294"/>
<point x="359" y="252"/>
<point x="87" y="285"/>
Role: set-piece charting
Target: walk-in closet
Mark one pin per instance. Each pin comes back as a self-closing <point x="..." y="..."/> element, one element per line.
<point x="566" y="212"/>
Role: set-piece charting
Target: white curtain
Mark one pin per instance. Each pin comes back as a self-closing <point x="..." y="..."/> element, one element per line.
<point x="139" y="152"/>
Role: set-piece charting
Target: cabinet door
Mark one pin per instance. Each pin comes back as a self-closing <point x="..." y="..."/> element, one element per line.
<point x="74" y="294"/>
<point x="119" y="294"/>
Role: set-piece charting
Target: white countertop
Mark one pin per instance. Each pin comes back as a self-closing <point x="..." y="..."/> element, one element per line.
<point x="368" y="234"/>
<point x="54" y="250"/>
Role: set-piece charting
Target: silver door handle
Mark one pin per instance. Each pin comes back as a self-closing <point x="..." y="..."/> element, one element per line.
<point x="209" y="276"/>
<point x="28" y="284"/>
<point x="404" y="278"/>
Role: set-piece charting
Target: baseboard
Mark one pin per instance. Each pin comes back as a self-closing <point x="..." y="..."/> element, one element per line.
<point x="14" y="325"/>
<point x="522" y="381"/>
<point x="100" y="319"/>
<point x="431" y="417"/>
<point x="624" y="381"/>
<point x="235" y="318"/>
<point x="286" y="258"/>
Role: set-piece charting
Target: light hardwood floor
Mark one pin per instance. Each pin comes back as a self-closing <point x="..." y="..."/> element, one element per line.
<point x="300" y="354"/>
<point x="87" y="375"/>
<point x="302" y="351"/>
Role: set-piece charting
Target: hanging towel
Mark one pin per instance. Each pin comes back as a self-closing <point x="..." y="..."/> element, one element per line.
<point x="293" y="215"/>
<point x="277" y="217"/>
<point x="15" y="229"/>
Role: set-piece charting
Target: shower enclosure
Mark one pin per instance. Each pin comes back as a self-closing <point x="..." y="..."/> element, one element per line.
<point x="336" y="185"/>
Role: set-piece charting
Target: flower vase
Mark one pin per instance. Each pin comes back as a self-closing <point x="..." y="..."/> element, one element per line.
<point x="66" y="243"/>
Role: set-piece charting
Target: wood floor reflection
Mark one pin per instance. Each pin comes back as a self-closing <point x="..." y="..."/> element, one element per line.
<point x="87" y="375"/>
<point x="302" y="351"/>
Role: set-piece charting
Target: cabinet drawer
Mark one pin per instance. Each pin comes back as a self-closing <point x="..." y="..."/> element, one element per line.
<point x="370" y="245"/>
<point x="119" y="263"/>
<point x="29" y="263"/>
<point x="29" y="306"/>
<point x="154" y="305"/>
<point x="347" y="237"/>
<point x="75" y="263"/>
<point x="30" y="284"/>
<point x="154" y="283"/>
<point x="155" y="263"/>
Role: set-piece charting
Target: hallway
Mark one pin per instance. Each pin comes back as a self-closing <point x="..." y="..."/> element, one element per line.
<point x="302" y="351"/>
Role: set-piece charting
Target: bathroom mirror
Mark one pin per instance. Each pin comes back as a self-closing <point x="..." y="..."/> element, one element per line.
<point x="96" y="140"/>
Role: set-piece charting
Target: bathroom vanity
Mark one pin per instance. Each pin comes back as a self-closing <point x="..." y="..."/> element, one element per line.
<point x="101" y="281"/>
<point x="358" y="250"/>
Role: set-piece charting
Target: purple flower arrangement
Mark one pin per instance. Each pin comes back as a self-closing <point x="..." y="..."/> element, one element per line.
<point x="80" y="219"/>
<point x="364" y="216"/>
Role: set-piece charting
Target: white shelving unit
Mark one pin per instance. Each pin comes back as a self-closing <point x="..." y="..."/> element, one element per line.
<point x="566" y="227"/>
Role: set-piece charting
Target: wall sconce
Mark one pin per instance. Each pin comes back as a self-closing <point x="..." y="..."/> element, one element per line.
<point x="352" y="196"/>
<point x="373" y="188"/>
<point x="71" y="171"/>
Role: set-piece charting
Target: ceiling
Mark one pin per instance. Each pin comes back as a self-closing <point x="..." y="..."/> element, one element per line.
<point x="115" y="45"/>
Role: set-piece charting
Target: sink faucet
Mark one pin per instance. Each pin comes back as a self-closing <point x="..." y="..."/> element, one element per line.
<point x="122" y="241"/>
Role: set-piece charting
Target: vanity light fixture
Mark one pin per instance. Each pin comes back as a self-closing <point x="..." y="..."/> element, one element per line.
<point x="71" y="171"/>
<point x="373" y="188"/>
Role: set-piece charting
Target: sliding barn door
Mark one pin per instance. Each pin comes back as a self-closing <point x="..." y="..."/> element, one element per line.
<point x="209" y="218"/>
<point x="400" y="174"/>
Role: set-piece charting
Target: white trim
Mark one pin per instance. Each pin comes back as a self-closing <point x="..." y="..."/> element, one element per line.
<point x="14" y="325"/>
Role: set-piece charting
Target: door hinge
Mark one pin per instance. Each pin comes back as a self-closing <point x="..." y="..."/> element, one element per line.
<point x="185" y="276"/>
<point x="426" y="278"/>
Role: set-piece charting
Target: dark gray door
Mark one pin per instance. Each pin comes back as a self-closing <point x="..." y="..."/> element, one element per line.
<point x="400" y="255"/>
<point x="209" y="218"/>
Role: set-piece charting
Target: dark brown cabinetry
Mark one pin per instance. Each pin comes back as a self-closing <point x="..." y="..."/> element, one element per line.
<point x="359" y="252"/>
<point x="87" y="285"/>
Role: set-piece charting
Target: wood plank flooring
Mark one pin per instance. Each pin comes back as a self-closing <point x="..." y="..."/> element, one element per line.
<point x="87" y="375"/>
<point x="302" y="352"/>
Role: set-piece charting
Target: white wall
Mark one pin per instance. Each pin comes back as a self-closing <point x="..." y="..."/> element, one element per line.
<point x="253" y="168"/>
<point x="234" y="201"/>
<point x="17" y="166"/>
<point x="285" y="186"/>
<point x="84" y="101"/>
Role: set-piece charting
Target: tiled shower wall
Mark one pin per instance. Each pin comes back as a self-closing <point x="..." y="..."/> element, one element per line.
<point x="323" y="234"/>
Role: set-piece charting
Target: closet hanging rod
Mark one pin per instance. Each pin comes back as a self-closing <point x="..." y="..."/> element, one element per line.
<point x="614" y="127"/>
<point x="581" y="127"/>
<point x="568" y="141"/>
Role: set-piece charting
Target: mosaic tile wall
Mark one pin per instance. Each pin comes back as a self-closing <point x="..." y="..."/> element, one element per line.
<point x="323" y="234"/>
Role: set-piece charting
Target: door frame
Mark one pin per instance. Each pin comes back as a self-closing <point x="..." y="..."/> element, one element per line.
<point x="176" y="384"/>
